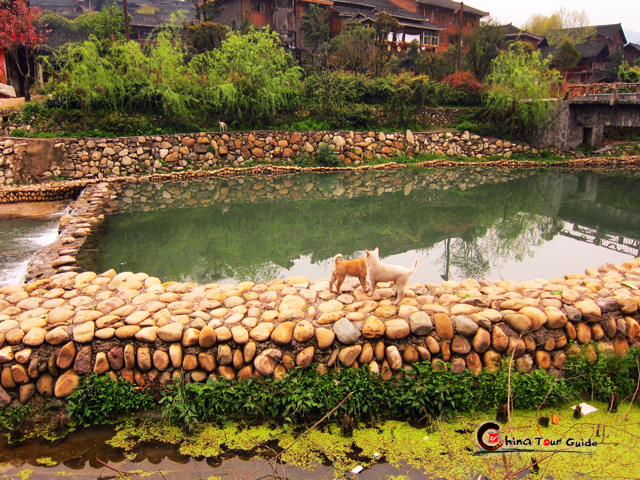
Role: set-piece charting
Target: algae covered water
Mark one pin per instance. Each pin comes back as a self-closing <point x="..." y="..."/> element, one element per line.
<point x="460" y="223"/>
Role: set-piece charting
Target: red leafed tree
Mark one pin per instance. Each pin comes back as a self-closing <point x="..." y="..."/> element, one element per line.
<point x="21" y="31"/>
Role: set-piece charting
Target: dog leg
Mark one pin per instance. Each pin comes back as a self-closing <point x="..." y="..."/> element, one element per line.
<point x="363" y="283"/>
<point x="400" y="284"/>
<point x="339" y="285"/>
<point x="332" y="281"/>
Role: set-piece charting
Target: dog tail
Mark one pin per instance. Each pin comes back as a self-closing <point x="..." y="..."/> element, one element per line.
<point x="415" y="267"/>
<point x="335" y="259"/>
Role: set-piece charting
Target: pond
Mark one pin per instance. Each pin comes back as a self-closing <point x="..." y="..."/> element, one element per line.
<point x="460" y="223"/>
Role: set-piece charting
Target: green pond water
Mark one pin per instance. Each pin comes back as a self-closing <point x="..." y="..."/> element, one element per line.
<point x="460" y="223"/>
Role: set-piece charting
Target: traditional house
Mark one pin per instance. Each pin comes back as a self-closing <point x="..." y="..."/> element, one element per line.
<point x="515" y="34"/>
<point x="631" y="52"/>
<point x="434" y="23"/>
<point x="596" y="44"/>
<point x="590" y="68"/>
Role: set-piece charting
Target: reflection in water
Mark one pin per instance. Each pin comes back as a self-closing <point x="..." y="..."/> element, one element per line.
<point x="460" y="223"/>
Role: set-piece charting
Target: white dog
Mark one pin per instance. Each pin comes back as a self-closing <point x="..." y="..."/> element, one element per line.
<point x="223" y="126"/>
<point x="381" y="272"/>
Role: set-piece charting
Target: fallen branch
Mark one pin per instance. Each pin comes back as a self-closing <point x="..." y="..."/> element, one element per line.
<point x="120" y="473"/>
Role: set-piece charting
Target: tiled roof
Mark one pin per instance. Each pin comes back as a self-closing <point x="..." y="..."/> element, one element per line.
<point x="607" y="31"/>
<point x="632" y="46"/>
<point x="58" y="38"/>
<point x="451" y="5"/>
<point x="369" y="10"/>
<point x="586" y="50"/>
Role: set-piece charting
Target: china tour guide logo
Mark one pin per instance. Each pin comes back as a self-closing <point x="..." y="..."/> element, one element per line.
<point x="491" y="440"/>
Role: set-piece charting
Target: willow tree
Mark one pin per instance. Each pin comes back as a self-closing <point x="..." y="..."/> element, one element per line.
<point x="249" y="77"/>
<point x="521" y="85"/>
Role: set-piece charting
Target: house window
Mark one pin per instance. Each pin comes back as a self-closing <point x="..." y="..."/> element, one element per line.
<point x="439" y="18"/>
<point x="263" y="7"/>
<point x="454" y="20"/>
<point x="443" y="37"/>
<point x="259" y="7"/>
<point x="430" y="38"/>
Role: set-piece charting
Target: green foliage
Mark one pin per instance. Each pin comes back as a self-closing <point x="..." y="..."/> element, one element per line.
<point x="566" y="56"/>
<point x="249" y="78"/>
<point x="107" y="24"/>
<point x="354" y="49"/>
<point x="314" y="28"/>
<point x="520" y="82"/>
<point x="326" y="156"/>
<point x="56" y="21"/>
<point x="19" y="132"/>
<point x="98" y="399"/>
<point x="411" y="93"/>
<point x="12" y="417"/>
<point x="628" y="74"/>
<point x="612" y="67"/>
<point x="205" y="36"/>
<point x="483" y="47"/>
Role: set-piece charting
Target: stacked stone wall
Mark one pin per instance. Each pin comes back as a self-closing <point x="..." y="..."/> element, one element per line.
<point x="90" y="159"/>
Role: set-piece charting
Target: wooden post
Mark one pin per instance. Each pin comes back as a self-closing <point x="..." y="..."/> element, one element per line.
<point x="126" y="20"/>
<point x="460" y="21"/>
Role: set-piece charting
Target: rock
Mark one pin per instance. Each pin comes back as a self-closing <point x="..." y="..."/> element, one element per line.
<point x="144" y="359"/>
<point x="491" y="360"/>
<point x="460" y="345"/>
<point x="444" y="327"/>
<point x="161" y="360"/>
<point x="266" y="362"/>
<point x="537" y="317"/>
<point x="116" y="358"/>
<point x="393" y="358"/>
<point x="346" y="332"/>
<point x="207" y="362"/>
<point x="410" y="354"/>
<point x="464" y="325"/>
<point x="433" y="346"/>
<point x="83" y="362"/>
<point x="590" y="353"/>
<point x="283" y="333"/>
<point x="500" y="340"/>
<point x="366" y="355"/>
<point x="559" y="361"/>
<point x="348" y="355"/>
<point x="20" y="375"/>
<point x="57" y="336"/>
<point x="190" y="362"/>
<point x="555" y="318"/>
<point x="524" y="364"/>
<point x="147" y="335"/>
<point x="519" y="323"/>
<point x="573" y="314"/>
<point x="262" y="331"/>
<point x="325" y="337"/>
<point x="419" y="322"/>
<point x="303" y="331"/>
<point x="127" y="332"/>
<point x="66" y="356"/>
<point x="458" y="365"/>
<point x="249" y="351"/>
<point x="6" y="354"/>
<point x="396" y="329"/>
<point x="84" y="333"/>
<point x="305" y="357"/>
<point x="481" y="341"/>
<point x="44" y="386"/>
<point x="225" y="357"/>
<point x="588" y="308"/>
<point x="171" y="333"/>
<point x="373" y="328"/>
<point x="66" y="383"/>
<point x="227" y="372"/>
<point x="207" y="338"/>
<point x="175" y="354"/>
<point x="516" y="347"/>
<point x="102" y="363"/>
<point x="474" y="363"/>
<point x="583" y="333"/>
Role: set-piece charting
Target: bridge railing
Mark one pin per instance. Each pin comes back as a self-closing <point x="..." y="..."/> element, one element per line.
<point x="575" y="91"/>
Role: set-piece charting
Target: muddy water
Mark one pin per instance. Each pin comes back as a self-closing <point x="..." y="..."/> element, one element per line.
<point x="24" y="229"/>
<point x="77" y="456"/>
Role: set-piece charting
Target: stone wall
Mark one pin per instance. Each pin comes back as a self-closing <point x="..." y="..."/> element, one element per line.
<point x="130" y="325"/>
<point x="147" y="155"/>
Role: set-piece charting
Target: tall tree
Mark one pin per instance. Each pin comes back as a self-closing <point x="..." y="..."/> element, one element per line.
<point x="520" y="84"/>
<point x="314" y="27"/>
<point x="354" y="48"/>
<point x="206" y="9"/>
<point x="566" y="56"/>
<point x="384" y="25"/>
<point x="205" y="36"/>
<point x="21" y="31"/>
<point x="106" y="24"/>
<point x="483" y="46"/>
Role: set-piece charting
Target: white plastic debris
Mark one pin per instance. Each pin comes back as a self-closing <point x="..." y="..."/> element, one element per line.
<point x="358" y="469"/>
<point x="376" y="454"/>
<point x="585" y="408"/>
<point x="426" y="438"/>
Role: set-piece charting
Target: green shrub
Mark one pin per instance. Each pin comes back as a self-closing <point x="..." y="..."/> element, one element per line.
<point x="19" y="132"/>
<point x="97" y="399"/>
<point x="326" y="156"/>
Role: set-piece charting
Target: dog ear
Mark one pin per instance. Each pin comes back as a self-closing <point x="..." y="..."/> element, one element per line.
<point x="377" y="250"/>
<point x="367" y="252"/>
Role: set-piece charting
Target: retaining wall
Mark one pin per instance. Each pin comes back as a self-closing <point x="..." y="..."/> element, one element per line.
<point x="87" y="159"/>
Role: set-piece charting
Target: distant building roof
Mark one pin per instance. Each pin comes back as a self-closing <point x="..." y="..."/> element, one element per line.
<point x="607" y="31"/>
<point x="588" y="50"/>
<point x="512" y="32"/>
<point x="451" y="5"/>
<point x="370" y="9"/>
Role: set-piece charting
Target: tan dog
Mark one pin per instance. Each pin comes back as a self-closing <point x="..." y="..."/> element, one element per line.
<point x="353" y="268"/>
<point x="381" y="272"/>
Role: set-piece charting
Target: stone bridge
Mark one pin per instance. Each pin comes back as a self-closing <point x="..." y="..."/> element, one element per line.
<point x="586" y="110"/>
